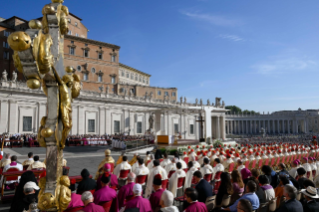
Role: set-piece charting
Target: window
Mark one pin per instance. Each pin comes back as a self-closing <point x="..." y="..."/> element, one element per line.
<point x="176" y="128"/>
<point x="69" y="20"/>
<point x="140" y="79"/>
<point x="79" y="68"/>
<point x="72" y="50"/>
<point x="76" y="34"/>
<point x="173" y="94"/>
<point x="143" y="80"/>
<point x="139" y="127"/>
<point x="113" y="58"/>
<point x="93" y="70"/>
<point x="116" y="126"/>
<point x="166" y="93"/>
<point x="70" y="32"/>
<point x="86" y="44"/>
<point x="159" y="93"/>
<point x="72" y="42"/>
<point x="91" y="125"/>
<point x="99" y="78"/>
<point x="122" y="73"/>
<point x="6" y="34"/>
<point x="113" y="80"/>
<point x="146" y="81"/>
<point x="100" y="55"/>
<point x="191" y="129"/>
<point x="6" y="55"/>
<point x="127" y="75"/>
<point x="76" y="23"/>
<point x="86" y="53"/>
<point x="85" y="76"/>
<point x="27" y="123"/>
<point x="132" y="76"/>
<point x="5" y="45"/>
<point x="136" y="77"/>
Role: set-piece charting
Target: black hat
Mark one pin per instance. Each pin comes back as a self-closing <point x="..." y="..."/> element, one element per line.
<point x="157" y="180"/>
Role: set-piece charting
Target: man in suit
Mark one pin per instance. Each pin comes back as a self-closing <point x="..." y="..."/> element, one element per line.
<point x="291" y="204"/>
<point x="203" y="188"/>
<point x="310" y="195"/>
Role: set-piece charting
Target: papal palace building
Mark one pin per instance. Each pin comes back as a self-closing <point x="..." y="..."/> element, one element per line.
<point x="117" y="98"/>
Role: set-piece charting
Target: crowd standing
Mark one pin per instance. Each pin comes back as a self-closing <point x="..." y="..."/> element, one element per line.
<point x="250" y="176"/>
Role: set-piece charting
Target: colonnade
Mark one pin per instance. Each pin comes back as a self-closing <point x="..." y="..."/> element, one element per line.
<point x="270" y="126"/>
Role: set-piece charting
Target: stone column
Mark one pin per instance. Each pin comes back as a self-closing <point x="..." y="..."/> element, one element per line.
<point x="166" y="122"/>
<point x="278" y="127"/>
<point x="131" y="125"/>
<point x="102" y="120"/>
<point x="305" y="126"/>
<point x="169" y="126"/>
<point x="218" y="127"/>
<point x="231" y="127"/>
<point x="273" y="127"/>
<point x="268" y="126"/>
<point x="264" y="125"/>
<point x="13" y="120"/>
<point x="157" y="122"/>
<point x="146" y="125"/>
<point x="208" y="122"/>
<point x="223" y="127"/>
<point x="235" y="127"/>
<point x="81" y="121"/>
<point x="283" y="126"/>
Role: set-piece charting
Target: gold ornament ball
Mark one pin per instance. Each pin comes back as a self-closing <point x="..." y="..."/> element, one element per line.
<point x="46" y="132"/>
<point x="35" y="24"/>
<point x="46" y="201"/>
<point x="33" y="83"/>
<point x="57" y="1"/>
<point x="69" y="69"/>
<point x="19" y="41"/>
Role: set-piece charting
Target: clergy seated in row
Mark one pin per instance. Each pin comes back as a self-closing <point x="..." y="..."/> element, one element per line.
<point x="250" y="195"/>
<point x="75" y="198"/>
<point x="171" y="167"/>
<point x="167" y="200"/>
<point x="113" y="183"/>
<point x="126" y="192"/>
<point x="88" y="201"/>
<point x="87" y="184"/>
<point x="141" y="169"/>
<point x="29" y="161"/>
<point x="147" y="157"/>
<point x="150" y="164"/>
<point x="189" y="175"/>
<point x="166" y="161"/>
<point x="6" y="160"/>
<point x="124" y="165"/>
<point x="29" y="190"/>
<point x="136" y="164"/>
<point x="218" y="167"/>
<point x="195" y="163"/>
<point x="157" y="169"/>
<point x="173" y="180"/>
<point x="203" y="188"/>
<point x="37" y="164"/>
<point x="13" y="165"/>
<point x="207" y="169"/>
<point x="240" y="165"/>
<point x="156" y="195"/>
<point x="105" y="193"/>
<point x="138" y="201"/>
<point x="192" y="204"/>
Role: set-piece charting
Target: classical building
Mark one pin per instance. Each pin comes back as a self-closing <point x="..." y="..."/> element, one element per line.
<point x="280" y="122"/>
<point x="115" y="98"/>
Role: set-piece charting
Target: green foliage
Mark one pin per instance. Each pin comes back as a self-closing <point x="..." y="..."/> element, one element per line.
<point x="217" y="143"/>
<point x="172" y="152"/>
<point x="233" y="109"/>
<point x="163" y="150"/>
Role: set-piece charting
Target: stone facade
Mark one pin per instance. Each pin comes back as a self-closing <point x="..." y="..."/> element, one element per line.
<point x="21" y="110"/>
<point x="280" y="122"/>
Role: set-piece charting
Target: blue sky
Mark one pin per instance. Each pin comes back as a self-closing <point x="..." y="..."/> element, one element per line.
<point x="258" y="55"/>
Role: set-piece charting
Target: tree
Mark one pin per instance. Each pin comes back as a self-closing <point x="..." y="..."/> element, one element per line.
<point x="233" y="109"/>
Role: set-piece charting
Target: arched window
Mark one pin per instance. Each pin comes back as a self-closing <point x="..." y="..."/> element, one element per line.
<point x="85" y="76"/>
<point x="93" y="70"/>
<point x="79" y="68"/>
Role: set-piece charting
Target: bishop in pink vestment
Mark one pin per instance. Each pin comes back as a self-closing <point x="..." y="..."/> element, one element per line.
<point x="91" y="207"/>
<point x="139" y="202"/>
<point x="75" y="201"/>
<point x="125" y="192"/>
<point x="113" y="184"/>
<point x="155" y="197"/>
<point x="105" y="194"/>
<point x="196" y="206"/>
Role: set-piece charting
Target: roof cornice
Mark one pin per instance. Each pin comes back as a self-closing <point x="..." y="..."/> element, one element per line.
<point x="94" y="42"/>
<point x="133" y="69"/>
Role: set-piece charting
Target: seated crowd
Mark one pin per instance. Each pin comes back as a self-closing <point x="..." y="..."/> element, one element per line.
<point x="283" y="177"/>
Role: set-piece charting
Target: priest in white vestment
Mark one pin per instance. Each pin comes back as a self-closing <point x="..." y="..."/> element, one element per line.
<point x="122" y="166"/>
<point x="174" y="178"/>
<point x="166" y="160"/>
<point x="195" y="163"/>
<point x="207" y="169"/>
<point x="156" y="170"/>
<point x="189" y="175"/>
<point x="141" y="169"/>
<point x="218" y="167"/>
<point x="172" y="166"/>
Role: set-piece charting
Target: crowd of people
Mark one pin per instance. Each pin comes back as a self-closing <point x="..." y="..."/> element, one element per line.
<point x="116" y="141"/>
<point x="245" y="177"/>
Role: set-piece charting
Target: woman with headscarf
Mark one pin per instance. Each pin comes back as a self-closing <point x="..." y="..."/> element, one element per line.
<point x="87" y="184"/>
<point x="19" y="194"/>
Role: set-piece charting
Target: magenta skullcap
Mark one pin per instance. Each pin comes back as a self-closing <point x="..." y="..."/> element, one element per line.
<point x="107" y="166"/>
<point x="296" y="162"/>
<point x="305" y="158"/>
